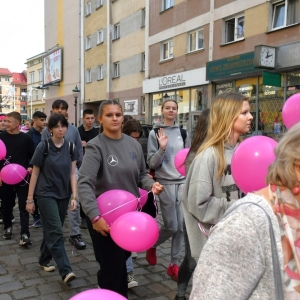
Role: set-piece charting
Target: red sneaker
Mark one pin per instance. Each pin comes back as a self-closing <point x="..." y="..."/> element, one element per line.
<point x="151" y="256"/>
<point x="173" y="271"/>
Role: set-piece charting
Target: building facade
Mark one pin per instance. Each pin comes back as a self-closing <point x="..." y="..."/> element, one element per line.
<point x="198" y="49"/>
<point x="114" y="54"/>
<point x="36" y="95"/>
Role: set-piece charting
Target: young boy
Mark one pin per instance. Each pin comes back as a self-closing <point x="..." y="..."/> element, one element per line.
<point x="19" y="147"/>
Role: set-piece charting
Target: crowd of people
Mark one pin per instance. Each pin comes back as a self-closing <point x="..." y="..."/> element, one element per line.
<point x="236" y="246"/>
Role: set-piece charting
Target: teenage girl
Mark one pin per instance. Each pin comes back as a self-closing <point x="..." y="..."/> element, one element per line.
<point x="112" y="160"/>
<point x="162" y="149"/>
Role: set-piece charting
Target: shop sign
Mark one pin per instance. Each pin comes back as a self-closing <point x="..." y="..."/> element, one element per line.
<point x="288" y="55"/>
<point x="172" y="81"/>
<point x="224" y="87"/>
<point x="272" y="79"/>
<point x="230" y="66"/>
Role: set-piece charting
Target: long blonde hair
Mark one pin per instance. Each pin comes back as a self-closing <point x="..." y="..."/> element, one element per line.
<point x="225" y="109"/>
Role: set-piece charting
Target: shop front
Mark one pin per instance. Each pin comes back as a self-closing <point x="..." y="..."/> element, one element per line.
<point x="189" y="89"/>
<point x="267" y="89"/>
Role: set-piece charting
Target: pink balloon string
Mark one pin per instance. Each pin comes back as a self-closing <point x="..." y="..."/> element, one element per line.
<point x="7" y="163"/>
<point x="136" y="199"/>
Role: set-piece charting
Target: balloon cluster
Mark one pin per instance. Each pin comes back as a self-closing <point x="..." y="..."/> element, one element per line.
<point x="132" y="230"/>
<point x="11" y="173"/>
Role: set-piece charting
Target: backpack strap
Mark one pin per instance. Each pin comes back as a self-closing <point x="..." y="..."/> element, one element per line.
<point x="71" y="148"/>
<point x="46" y="148"/>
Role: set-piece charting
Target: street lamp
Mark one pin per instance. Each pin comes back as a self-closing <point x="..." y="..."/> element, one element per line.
<point x="75" y="91"/>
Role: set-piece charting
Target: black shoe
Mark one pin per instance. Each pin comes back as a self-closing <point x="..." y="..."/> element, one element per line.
<point x="179" y="298"/>
<point x="25" y="240"/>
<point x="77" y="241"/>
<point x="8" y="233"/>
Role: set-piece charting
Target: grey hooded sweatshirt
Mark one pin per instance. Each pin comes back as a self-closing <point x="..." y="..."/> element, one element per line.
<point x="163" y="161"/>
<point x="207" y="197"/>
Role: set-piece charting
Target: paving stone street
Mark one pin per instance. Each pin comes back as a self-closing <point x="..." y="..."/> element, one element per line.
<point x="22" y="278"/>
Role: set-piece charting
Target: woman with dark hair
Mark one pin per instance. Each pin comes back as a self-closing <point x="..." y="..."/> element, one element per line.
<point x="53" y="180"/>
<point x="189" y="263"/>
<point x="112" y="160"/>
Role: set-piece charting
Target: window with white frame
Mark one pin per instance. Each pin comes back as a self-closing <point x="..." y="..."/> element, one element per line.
<point x="88" y="75"/>
<point x="165" y="4"/>
<point x="41" y="75"/>
<point x="167" y="50"/>
<point x="234" y="29"/>
<point x="195" y="40"/>
<point x="31" y="77"/>
<point x="36" y="94"/>
<point x="143" y="17"/>
<point x="88" y="8"/>
<point x="99" y="3"/>
<point x="88" y="42"/>
<point x="99" y="36"/>
<point x="116" y="69"/>
<point x="116" y="31"/>
<point x="6" y="79"/>
<point x="285" y="13"/>
<point x="100" y="72"/>
<point x="143" y="61"/>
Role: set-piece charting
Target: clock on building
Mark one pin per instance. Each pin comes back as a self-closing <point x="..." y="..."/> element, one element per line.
<point x="264" y="56"/>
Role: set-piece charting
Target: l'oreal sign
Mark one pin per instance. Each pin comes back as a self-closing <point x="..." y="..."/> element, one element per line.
<point x="171" y="82"/>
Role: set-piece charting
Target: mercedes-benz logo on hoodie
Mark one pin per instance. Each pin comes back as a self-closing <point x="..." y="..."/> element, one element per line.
<point x="112" y="160"/>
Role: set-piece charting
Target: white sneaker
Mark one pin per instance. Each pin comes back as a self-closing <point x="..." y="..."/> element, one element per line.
<point x="70" y="277"/>
<point x="131" y="281"/>
<point x="134" y="255"/>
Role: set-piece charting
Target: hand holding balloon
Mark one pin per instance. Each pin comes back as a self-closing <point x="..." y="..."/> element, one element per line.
<point x="157" y="188"/>
<point x="101" y="226"/>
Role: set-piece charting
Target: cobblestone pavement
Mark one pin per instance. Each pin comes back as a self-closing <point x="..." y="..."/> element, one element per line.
<point x="22" y="278"/>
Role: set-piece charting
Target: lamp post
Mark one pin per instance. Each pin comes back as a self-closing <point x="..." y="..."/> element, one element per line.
<point x="75" y="91"/>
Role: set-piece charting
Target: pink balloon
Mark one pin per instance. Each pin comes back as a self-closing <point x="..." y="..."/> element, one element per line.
<point x="114" y="203"/>
<point x="96" y="294"/>
<point x="135" y="231"/>
<point x="250" y="162"/>
<point x="2" y="150"/>
<point x="13" y="173"/>
<point x="143" y="197"/>
<point x="291" y="111"/>
<point x="180" y="159"/>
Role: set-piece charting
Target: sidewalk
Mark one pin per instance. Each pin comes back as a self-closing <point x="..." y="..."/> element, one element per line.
<point x="22" y="278"/>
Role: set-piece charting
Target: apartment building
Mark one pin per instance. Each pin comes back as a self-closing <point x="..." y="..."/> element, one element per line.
<point x="197" y="49"/>
<point x="36" y="94"/>
<point x="114" y="54"/>
<point x="13" y="92"/>
<point x="61" y="60"/>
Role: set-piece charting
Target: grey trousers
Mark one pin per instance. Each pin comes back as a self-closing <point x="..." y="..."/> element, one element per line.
<point x="172" y="214"/>
<point x="74" y="217"/>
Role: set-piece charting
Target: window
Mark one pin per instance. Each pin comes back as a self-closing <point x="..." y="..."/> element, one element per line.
<point x="88" y="8"/>
<point x="88" y="41"/>
<point x="143" y="105"/>
<point x="36" y="94"/>
<point x="167" y="4"/>
<point x="99" y="3"/>
<point x="116" y="69"/>
<point x="88" y="75"/>
<point x="31" y="77"/>
<point x="100" y="73"/>
<point x="40" y="75"/>
<point x="116" y="31"/>
<point x="99" y="37"/>
<point x="143" y="17"/>
<point x="234" y="29"/>
<point x="167" y="50"/>
<point x="143" y="62"/>
<point x="285" y="13"/>
<point x="6" y="79"/>
<point x="195" y="40"/>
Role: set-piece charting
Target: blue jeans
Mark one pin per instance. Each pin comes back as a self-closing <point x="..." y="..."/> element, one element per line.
<point x="53" y="213"/>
